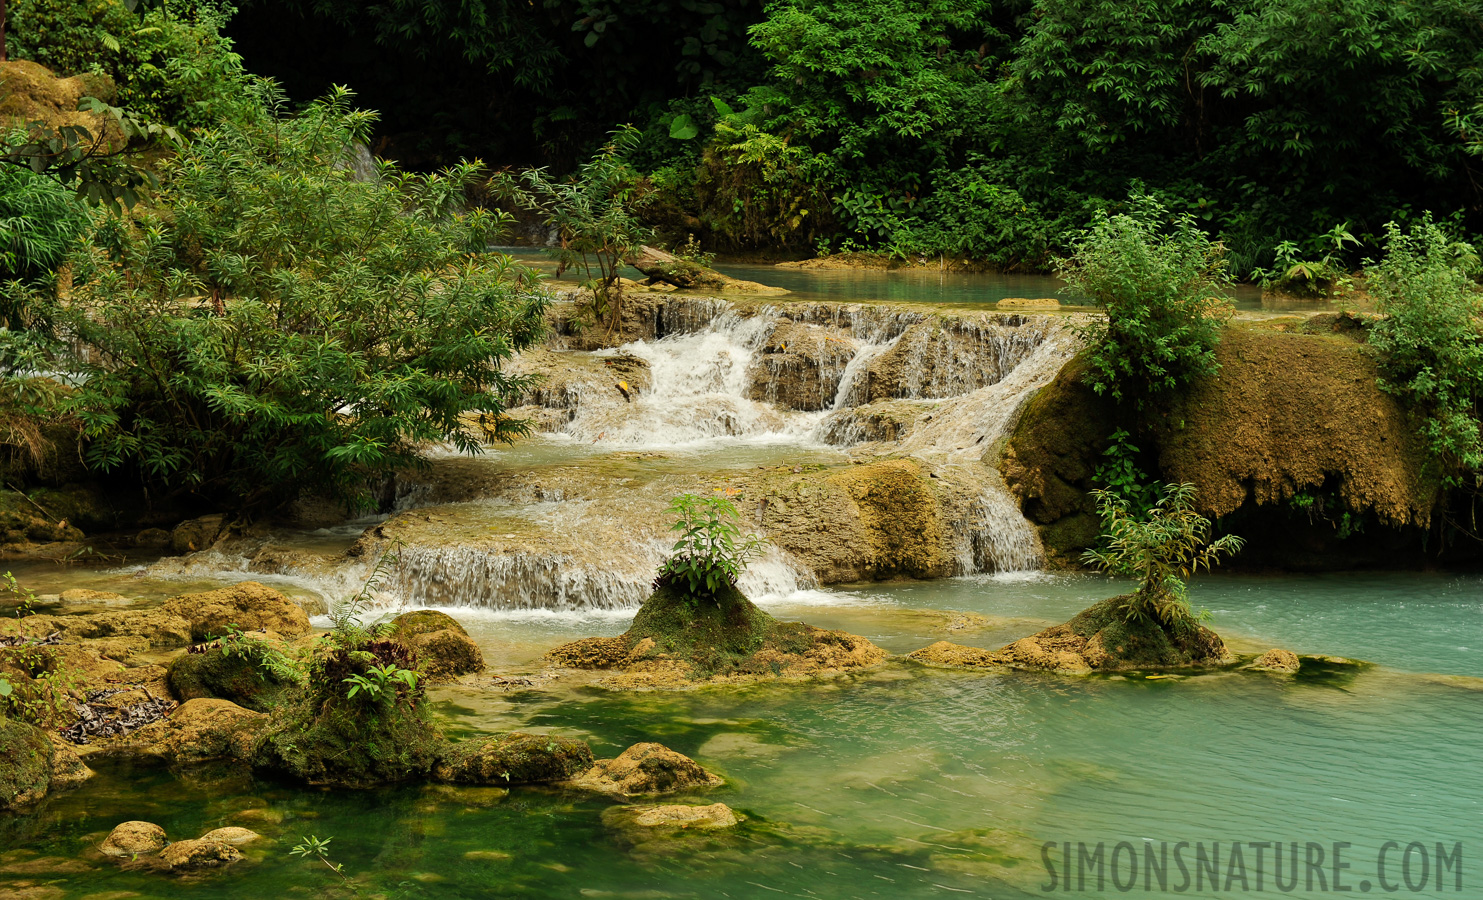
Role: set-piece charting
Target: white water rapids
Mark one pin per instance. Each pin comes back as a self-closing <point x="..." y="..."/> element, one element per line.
<point x="582" y="526"/>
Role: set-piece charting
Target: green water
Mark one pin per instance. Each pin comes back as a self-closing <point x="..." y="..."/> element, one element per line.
<point x="908" y="782"/>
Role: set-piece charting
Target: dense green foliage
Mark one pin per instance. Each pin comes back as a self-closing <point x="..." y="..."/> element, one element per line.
<point x="993" y="129"/>
<point x="1162" y="283"/>
<point x="275" y="323"/>
<point x="172" y="65"/>
<point x="712" y="551"/>
<point x="1429" y="341"/>
<point x="39" y="222"/>
<point x="1160" y="550"/>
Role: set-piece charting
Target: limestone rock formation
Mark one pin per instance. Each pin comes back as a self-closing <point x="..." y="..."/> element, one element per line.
<point x="188" y="856"/>
<point x="800" y="366"/>
<point x="197" y="534"/>
<point x="444" y="649"/>
<point x="646" y="769"/>
<point x="249" y="606"/>
<point x="35" y="93"/>
<point x="1098" y="639"/>
<point x="675" y="643"/>
<point x="198" y="731"/>
<point x="231" y="834"/>
<point x="662" y="266"/>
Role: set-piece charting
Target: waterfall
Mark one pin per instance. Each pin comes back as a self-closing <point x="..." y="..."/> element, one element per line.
<point x="579" y="521"/>
<point x="699" y="390"/>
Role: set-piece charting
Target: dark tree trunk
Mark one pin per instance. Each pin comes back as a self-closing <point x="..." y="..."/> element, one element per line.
<point x="4" y="53"/>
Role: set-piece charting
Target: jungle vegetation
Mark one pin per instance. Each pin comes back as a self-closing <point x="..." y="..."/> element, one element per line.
<point x="993" y="130"/>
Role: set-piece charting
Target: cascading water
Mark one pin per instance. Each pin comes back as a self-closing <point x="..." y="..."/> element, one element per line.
<point x="578" y="521"/>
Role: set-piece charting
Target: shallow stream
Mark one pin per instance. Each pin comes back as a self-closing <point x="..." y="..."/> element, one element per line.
<point x="906" y="782"/>
<point x="909" y="782"/>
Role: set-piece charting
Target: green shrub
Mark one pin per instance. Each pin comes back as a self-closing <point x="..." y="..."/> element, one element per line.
<point x="272" y="323"/>
<point x="712" y="551"/>
<point x="593" y="212"/>
<point x="40" y="221"/>
<point x="1162" y="282"/>
<point x="1428" y="342"/>
<point x="1160" y="550"/>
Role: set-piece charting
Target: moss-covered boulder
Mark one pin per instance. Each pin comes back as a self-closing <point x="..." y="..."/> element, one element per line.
<point x="25" y="774"/>
<point x="239" y="676"/>
<point x="515" y="758"/>
<point x="322" y="735"/>
<point x="1101" y="638"/>
<point x="443" y="647"/>
<point x="677" y="641"/>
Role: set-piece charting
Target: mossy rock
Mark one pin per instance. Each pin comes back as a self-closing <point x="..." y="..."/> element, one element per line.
<point x="713" y="634"/>
<point x="515" y="758"/>
<point x="319" y="734"/>
<point x="1098" y="639"/>
<point x="25" y="774"/>
<point x="444" y="649"/>
<point x="677" y="641"/>
<point x="343" y="743"/>
<point x="217" y="674"/>
<point x="423" y="621"/>
<point x="1114" y="642"/>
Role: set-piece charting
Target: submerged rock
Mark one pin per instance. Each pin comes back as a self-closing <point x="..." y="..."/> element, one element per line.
<point x="1098" y="639"/>
<point x="515" y="758"/>
<point x="131" y="839"/>
<point x="717" y="815"/>
<point x="1284" y="662"/>
<point x="677" y="642"/>
<point x="231" y="834"/>
<point x="646" y="769"/>
<point x="188" y="856"/>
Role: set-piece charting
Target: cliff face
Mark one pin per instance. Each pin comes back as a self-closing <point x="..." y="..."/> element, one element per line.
<point x="1292" y="444"/>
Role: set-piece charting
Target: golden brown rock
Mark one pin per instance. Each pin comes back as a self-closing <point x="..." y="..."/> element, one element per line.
<point x="130" y="839"/>
<point x="646" y="769"/>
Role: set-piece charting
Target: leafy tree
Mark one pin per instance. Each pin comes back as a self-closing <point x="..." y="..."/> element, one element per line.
<point x="1428" y="342"/>
<point x="593" y="214"/>
<point x="274" y="324"/>
<point x="1160" y="551"/>
<point x="1162" y="282"/>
